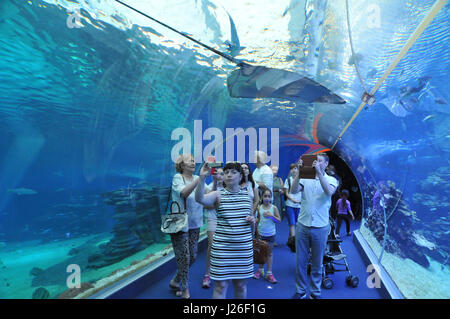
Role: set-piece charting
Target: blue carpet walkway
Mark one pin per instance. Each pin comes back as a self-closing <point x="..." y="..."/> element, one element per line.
<point x="284" y="271"/>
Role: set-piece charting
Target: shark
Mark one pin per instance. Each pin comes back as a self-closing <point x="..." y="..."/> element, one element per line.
<point x="22" y="191"/>
<point x="234" y="46"/>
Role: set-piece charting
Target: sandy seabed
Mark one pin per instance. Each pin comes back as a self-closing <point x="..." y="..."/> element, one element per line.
<point x="413" y="280"/>
<point x="17" y="259"/>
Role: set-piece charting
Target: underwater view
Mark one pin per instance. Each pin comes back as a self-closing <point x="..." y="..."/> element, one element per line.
<point x="97" y="99"/>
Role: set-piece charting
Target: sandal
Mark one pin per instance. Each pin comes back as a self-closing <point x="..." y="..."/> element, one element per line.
<point x="179" y="293"/>
<point x="174" y="285"/>
<point x="206" y="282"/>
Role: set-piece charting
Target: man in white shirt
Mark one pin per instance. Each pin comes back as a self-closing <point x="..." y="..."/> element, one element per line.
<point x="313" y="226"/>
<point x="263" y="174"/>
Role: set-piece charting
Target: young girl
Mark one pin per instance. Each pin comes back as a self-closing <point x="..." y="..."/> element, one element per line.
<point x="343" y="206"/>
<point x="293" y="201"/>
<point x="267" y="216"/>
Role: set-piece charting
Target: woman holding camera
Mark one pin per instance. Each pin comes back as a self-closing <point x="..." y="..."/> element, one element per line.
<point x="232" y="247"/>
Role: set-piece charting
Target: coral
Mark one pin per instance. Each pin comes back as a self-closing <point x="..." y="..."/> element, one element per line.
<point x="400" y="222"/>
<point x="138" y="222"/>
<point x="41" y="293"/>
<point x="135" y="262"/>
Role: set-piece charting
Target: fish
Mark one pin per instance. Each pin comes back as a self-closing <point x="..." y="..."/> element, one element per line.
<point x="427" y="118"/>
<point x="355" y="58"/>
<point x="395" y="106"/>
<point x="46" y="231"/>
<point x="234" y="46"/>
<point x="22" y="191"/>
<point x="440" y="100"/>
<point x="290" y="7"/>
<point x="404" y="126"/>
<point x="389" y="147"/>
<point x="372" y="73"/>
<point x="423" y="242"/>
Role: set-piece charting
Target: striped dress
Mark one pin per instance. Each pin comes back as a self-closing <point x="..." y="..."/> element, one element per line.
<point x="232" y="247"/>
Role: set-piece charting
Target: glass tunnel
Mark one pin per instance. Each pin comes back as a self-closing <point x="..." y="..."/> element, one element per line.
<point x="97" y="100"/>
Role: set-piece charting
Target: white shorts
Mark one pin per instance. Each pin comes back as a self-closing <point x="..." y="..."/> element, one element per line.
<point x="211" y="224"/>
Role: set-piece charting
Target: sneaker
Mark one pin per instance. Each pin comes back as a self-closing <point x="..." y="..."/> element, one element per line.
<point x="206" y="282"/>
<point x="314" y="297"/>
<point x="259" y="274"/>
<point x="349" y="234"/>
<point x="271" y="278"/>
<point x="298" y="295"/>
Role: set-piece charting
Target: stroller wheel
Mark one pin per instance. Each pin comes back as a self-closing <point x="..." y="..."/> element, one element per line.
<point x="352" y="281"/>
<point x="327" y="283"/>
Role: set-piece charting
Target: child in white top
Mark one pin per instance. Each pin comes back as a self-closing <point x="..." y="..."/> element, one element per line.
<point x="267" y="217"/>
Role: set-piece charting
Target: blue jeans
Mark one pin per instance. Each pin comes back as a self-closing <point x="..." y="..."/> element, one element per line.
<point x="306" y="238"/>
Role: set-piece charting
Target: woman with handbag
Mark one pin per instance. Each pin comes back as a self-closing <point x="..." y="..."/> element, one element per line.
<point x="232" y="247"/>
<point x="185" y="242"/>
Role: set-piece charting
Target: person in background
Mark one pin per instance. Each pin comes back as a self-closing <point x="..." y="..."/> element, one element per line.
<point x="252" y="188"/>
<point x="293" y="200"/>
<point x="313" y="226"/>
<point x="185" y="242"/>
<point x="330" y="170"/>
<point x="267" y="218"/>
<point x="211" y="221"/>
<point x="262" y="175"/>
<point x="232" y="247"/>
<point x="278" y="191"/>
<point x="343" y="211"/>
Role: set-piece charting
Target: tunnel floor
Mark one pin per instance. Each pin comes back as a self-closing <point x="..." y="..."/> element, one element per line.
<point x="284" y="271"/>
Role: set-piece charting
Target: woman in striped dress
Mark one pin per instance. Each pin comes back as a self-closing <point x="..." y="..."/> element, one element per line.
<point x="232" y="248"/>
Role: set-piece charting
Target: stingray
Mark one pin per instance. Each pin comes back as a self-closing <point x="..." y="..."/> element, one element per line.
<point x="255" y="81"/>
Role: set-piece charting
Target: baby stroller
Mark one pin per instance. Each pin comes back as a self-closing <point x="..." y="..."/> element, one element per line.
<point x="333" y="254"/>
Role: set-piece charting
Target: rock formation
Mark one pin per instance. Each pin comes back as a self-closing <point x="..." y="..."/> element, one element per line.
<point x="138" y="221"/>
